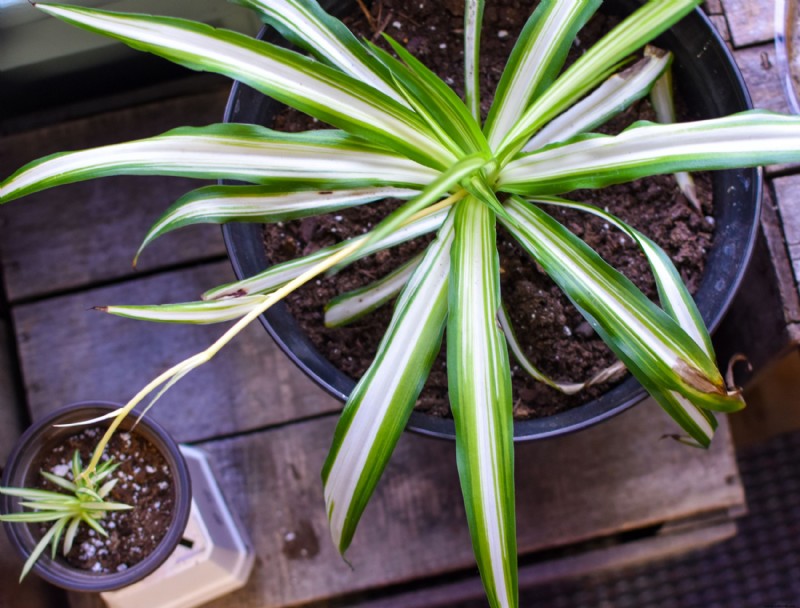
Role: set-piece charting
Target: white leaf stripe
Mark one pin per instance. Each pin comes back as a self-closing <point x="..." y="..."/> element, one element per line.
<point x="221" y="204"/>
<point x="348" y="307"/>
<point x="310" y="86"/>
<point x="305" y="22"/>
<point x="473" y="19"/>
<point x="381" y="403"/>
<point x="615" y="94"/>
<point x="675" y="298"/>
<point x="648" y="329"/>
<point x="742" y="140"/>
<point x="204" y="312"/>
<point x="480" y="397"/>
<point x="541" y="49"/>
<point x="246" y="153"/>
<point x="594" y="66"/>
<point x="568" y="388"/>
<point x="274" y="277"/>
<point x="661" y="97"/>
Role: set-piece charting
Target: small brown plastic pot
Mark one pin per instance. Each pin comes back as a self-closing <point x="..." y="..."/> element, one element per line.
<point x="21" y="471"/>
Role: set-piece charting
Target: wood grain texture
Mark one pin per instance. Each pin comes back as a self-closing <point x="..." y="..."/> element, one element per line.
<point x="71" y="353"/>
<point x="617" y="476"/>
<point x="83" y="233"/>
<point x="11" y="405"/>
<point x="750" y="20"/>
<point x="33" y="592"/>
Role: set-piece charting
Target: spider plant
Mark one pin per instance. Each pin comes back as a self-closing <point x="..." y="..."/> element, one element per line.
<point x="400" y="131"/>
<point x="83" y="503"/>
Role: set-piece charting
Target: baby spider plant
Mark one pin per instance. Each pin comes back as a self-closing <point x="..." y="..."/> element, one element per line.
<point x="399" y="131"/>
<point x="82" y="503"/>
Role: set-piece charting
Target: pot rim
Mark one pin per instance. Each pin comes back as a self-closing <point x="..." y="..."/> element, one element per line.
<point x="42" y="433"/>
<point x="628" y="392"/>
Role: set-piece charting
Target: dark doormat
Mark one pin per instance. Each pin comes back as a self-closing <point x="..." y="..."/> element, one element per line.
<point x="758" y="568"/>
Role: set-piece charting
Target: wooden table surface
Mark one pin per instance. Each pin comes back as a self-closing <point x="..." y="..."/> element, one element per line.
<point x="611" y="495"/>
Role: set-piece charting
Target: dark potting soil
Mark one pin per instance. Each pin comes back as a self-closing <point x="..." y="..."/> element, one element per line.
<point x="145" y="483"/>
<point x="554" y="335"/>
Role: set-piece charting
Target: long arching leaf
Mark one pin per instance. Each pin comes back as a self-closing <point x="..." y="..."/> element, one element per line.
<point x="330" y="159"/>
<point x="308" y="85"/>
<point x="747" y="139"/>
<point x="379" y="406"/>
<point x="479" y="380"/>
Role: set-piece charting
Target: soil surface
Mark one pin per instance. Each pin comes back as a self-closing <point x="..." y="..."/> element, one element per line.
<point x="145" y="483"/>
<point x="553" y="333"/>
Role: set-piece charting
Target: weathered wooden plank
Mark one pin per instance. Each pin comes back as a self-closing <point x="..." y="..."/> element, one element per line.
<point x="787" y="192"/>
<point x="33" y="592"/>
<point x="760" y="71"/>
<point x="70" y="353"/>
<point x="712" y="7"/>
<point x="11" y="406"/>
<point x="750" y="20"/>
<point x="625" y="555"/>
<point x="79" y="234"/>
<point x="618" y="476"/>
<point x="30" y="593"/>
<point x="721" y="24"/>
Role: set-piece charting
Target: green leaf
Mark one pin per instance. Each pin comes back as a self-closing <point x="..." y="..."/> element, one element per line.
<point x="479" y="380"/>
<point x="611" y="372"/>
<point x="675" y="298"/>
<point x="661" y="97"/>
<point x="308" y="85"/>
<point x="647" y="340"/>
<point x="613" y="96"/>
<point x="473" y="19"/>
<point x="435" y="102"/>
<point x="379" y="406"/>
<point x="348" y="307"/>
<point x="330" y="159"/>
<point x="747" y="139"/>
<point x="535" y="61"/>
<point x="307" y="25"/>
<point x="275" y="276"/>
<point x="196" y="313"/>
<point x="223" y="204"/>
<point x="594" y="66"/>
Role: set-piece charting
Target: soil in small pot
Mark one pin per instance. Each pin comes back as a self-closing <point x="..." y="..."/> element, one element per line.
<point x="553" y="334"/>
<point x="145" y="483"/>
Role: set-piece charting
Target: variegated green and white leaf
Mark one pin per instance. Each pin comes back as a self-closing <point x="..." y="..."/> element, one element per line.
<point x="379" y="406"/>
<point x="614" y="95"/>
<point x="479" y="381"/>
<point x="308" y="85"/>
<point x="222" y="204"/>
<point x="647" y="340"/>
<point x="593" y="67"/>
<point x="437" y="188"/>
<point x="661" y="96"/>
<point x="747" y="139"/>
<point x="537" y="58"/>
<point x="196" y="313"/>
<point x="275" y="276"/>
<point x="473" y="20"/>
<point x="612" y="372"/>
<point x="317" y="159"/>
<point x="306" y="24"/>
<point x="433" y="100"/>
<point x="350" y="306"/>
<point x="675" y="298"/>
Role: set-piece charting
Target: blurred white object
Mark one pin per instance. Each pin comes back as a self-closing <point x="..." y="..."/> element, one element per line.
<point x="787" y="49"/>
<point x="213" y="559"/>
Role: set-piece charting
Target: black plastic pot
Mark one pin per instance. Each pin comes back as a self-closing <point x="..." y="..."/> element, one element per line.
<point x="21" y="471"/>
<point x="711" y="86"/>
